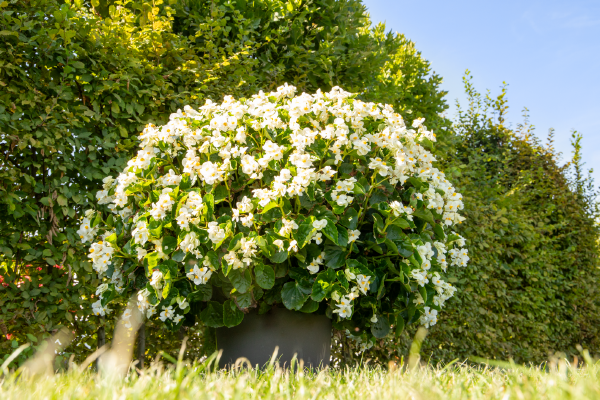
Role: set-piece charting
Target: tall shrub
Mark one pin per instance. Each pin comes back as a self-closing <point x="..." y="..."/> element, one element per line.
<point x="532" y="286"/>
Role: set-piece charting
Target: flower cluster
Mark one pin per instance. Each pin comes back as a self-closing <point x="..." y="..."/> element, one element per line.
<point x="286" y="199"/>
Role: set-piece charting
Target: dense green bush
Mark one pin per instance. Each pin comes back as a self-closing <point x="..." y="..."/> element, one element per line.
<point x="79" y="81"/>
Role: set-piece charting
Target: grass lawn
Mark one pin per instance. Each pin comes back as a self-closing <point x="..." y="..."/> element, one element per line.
<point x="558" y="381"/>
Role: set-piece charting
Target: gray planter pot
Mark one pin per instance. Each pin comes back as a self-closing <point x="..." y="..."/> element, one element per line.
<point x="308" y="336"/>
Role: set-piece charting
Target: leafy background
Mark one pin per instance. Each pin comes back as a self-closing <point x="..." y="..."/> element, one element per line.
<point x="80" y="79"/>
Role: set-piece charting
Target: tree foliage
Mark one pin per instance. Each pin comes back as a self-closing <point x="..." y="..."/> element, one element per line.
<point x="80" y="80"/>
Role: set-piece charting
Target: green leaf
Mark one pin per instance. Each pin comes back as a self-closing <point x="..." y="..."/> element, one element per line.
<point x="343" y="237"/>
<point x="423" y="293"/>
<point x="209" y="200"/>
<point x="425" y="215"/>
<point x="439" y="231"/>
<point x="232" y="316"/>
<point x="331" y="232"/>
<point x="341" y="277"/>
<point x="169" y="244"/>
<point x="152" y="259"/>
<point x="204" y="292"/>
<point x="243" y="300"/>
<point x="279" y="257"/>
<point x="212" y="315"/>
<point x="399" y="325"/>
<point x="335" y="257"/>
<point x="221" y="193"/>
<point x="379" y="224"/>
<point x="264" y="275"/>
<point x="293" y="296"/>
<point x="178" y="256"/>
<point x="381" y="328"/>
<point x="269" y="206"/>
<point x="241" y="279"/>
<point x="235" y="242"/>
<point x="304" y="234"/>
<point x="112" y="239"/>
<point x="310" y="306"/>
<point x="415" y="182"/>
<point x="350" y="219"/>
<point x="167" y="288"/>
<point x="323" y="284"/>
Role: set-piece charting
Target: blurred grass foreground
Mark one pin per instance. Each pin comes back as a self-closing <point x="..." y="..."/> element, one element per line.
<point x="168" y="378"/>
<point x="562" y="381"/>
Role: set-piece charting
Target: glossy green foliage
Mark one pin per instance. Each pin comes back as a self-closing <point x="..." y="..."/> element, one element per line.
<point x="80" y="79"/>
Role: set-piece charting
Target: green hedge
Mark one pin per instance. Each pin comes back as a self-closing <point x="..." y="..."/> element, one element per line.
<point x="80" y="80"/>
<point x="531" y="287"/>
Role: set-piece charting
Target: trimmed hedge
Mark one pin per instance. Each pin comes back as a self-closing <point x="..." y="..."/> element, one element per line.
<point x="531" y="287"/>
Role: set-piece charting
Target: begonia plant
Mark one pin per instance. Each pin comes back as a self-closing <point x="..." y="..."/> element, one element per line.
<point x="318" y="203"/>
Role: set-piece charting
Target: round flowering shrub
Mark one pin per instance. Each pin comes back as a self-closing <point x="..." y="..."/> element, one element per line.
<point x="322" y="203"/>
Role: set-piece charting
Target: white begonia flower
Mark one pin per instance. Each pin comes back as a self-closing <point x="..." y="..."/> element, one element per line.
<point x="182" y="302"/>
<point x="166" y="313"/>
<point x="425" y="251"/>
<point x="288" y="227"/>
<point x="418" y="122"/>
<point x="141" y="252"/>
<point x="249" y="164"/>
<point x="140" y="233"/>
<point x="210" y="173"/>
<point x="177" y="318"/>
<point x="344" y="307"/>
<point x="420" y="277"/>
<point x="232" y="259"/>
<point x="313" y="267"/>
<point x="215" y="233"/>
<point x="318" y="238"/>
<point x="101" y="254"/>
<point x="163" y="205"/>
<point x="363" y="283"/>
<point x="429" y="317"/>
<point x="353" y="235"/>
<point x="418" y="299"/>
<point x="190" y="242"/>
<point x="245" y="205"/>
<point x="319" y="224"/>
<point x="293" y="246"/>
<point x="380" y="166"/>
<point x="350" y="275"/>
<point x="101" y="289"/>
<point x="156" y="280"/>
<point x="99" y="310"/>
<point x="247" y="220"/>
<point x="171" y="179"/>
<point x="199" y="276"/>
<point x="279" y="244"/>
<point x="86" y="232"/>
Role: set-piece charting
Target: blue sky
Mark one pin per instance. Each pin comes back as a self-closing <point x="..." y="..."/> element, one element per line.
<point x="547" y="51"/>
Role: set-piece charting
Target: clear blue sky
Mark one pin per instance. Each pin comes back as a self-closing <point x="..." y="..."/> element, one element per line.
<point x="547" y="51"/>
